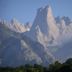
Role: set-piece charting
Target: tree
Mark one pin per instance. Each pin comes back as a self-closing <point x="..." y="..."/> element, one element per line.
<point x="54" y="67"/>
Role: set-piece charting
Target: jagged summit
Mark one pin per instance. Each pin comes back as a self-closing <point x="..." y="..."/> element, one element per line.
<point x="46" y="24"/>
<point x="44" y="8"/>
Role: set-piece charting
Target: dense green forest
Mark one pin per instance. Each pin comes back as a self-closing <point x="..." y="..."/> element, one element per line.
<point x="55" y="67"/>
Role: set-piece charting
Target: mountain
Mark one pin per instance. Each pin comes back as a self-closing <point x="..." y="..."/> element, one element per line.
<point x="52" y="32"/>
<point x="48" y="39"/>
<point x="16" y="26"/>
<point x="64" y="50"/>
<point x="17" y="49"/>
<point x="44" y="28"/>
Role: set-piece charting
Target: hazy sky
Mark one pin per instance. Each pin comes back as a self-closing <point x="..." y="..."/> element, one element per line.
<point x="25" y="10"/>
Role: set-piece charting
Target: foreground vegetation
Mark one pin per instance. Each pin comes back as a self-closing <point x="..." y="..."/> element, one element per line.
<point x="55" y="67"/>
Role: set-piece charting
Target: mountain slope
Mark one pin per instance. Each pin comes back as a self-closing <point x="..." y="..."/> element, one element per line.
<point x="17" y="49"/>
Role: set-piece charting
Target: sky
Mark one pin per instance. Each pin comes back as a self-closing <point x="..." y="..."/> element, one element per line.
<point x="25" y="10"/>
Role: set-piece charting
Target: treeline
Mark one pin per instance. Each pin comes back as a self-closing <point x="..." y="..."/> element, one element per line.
<point x="55" y="67"/>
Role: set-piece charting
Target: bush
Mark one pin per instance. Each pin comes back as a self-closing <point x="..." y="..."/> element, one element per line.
<point x="55" y="67"/>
